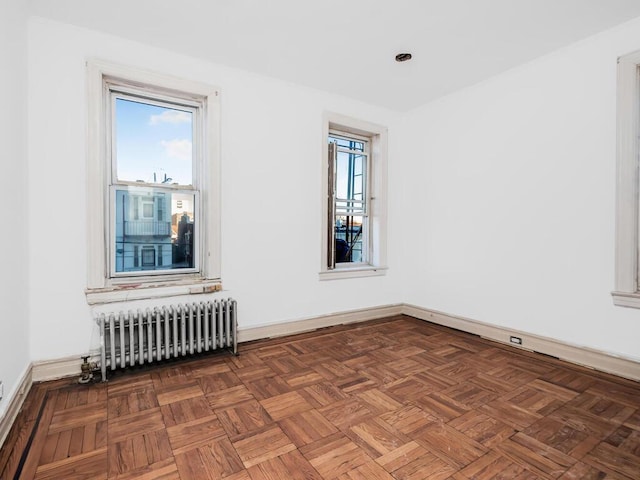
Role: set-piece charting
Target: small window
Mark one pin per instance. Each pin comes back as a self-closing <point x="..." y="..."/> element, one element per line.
<point x="148" y="257"/>
<point x="354" y="213"/>
<point x="147" y="210"/>
<point x="349" y="164"/>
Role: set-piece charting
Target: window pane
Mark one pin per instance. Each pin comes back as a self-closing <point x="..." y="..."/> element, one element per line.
<point x="350" y="144"/>
<point x="147" y="210"/>
<point x="148" y="257"/>
<point x="349" y="238"/>
<point x="350" y="182"/>
<point x="153" y="144"/>
<point x="154" y="241"/>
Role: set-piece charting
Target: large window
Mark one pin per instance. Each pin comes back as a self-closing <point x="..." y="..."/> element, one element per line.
<point x="153" y="185"/>
<point x="355" y="208"/>
<point x="152" y="169"/>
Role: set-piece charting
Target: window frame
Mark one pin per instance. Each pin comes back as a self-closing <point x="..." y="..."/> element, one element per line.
<point x="102" y="78"/>
<point x="366" y="237"/>
<point x="627" y="269"/>
<point x="376" y="190"/>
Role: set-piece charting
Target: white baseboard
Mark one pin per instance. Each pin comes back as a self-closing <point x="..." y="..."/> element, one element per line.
<point x="70" y="366"/>
<point x="44" y="370"/>
<point x="313" y="323"/>
<point x="588" y="357"/>
<point x="15" y="404"/>
<point x="585" y="356"/>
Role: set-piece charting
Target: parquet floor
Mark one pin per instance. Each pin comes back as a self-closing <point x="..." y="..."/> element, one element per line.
<point x="391" y="399"/>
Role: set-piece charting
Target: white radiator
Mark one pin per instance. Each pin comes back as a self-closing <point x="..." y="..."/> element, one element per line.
<point x="146" y="336"/>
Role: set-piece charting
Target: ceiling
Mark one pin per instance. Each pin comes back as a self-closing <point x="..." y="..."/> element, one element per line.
<point x="348" y="47"/>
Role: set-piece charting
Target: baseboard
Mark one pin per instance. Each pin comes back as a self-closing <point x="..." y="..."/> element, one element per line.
<point x="313" y="323"/>
<point x="15" y="403"/>
<point x="624" y="367"/>
<point x="70" y="366"/>
<point x="588" y="357"/>
<point x="44" y="370"/>
<point x="585" y="356"/>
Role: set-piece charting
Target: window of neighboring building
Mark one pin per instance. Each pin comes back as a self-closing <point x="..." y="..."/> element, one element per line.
<point x="627" y="291"/>
<point x="153" y="184"/>
<point x="355" y="209"/>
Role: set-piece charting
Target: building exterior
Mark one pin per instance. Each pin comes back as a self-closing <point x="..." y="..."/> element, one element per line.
<point x="143" y="231"/>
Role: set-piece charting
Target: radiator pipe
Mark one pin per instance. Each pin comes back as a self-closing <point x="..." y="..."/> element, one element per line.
<point x="87" y="369"/>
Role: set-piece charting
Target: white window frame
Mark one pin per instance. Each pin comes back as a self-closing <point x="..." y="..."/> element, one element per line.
<point x="101" y="287"/>
<point x="376" y="202"/>
<point x="626" y="292"/>
<point x="364" y="210"/>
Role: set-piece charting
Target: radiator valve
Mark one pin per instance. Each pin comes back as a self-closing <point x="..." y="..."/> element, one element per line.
<point x="87" y="369"/>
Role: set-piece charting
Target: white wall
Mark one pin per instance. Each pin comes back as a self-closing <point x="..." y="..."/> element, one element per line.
<point x="271" y="195"/>
<point x="14" y="331"/>
<point x="514" y="179"/>
<point x="501" y="196"/>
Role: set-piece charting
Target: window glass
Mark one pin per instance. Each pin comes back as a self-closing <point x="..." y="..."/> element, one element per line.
<point x="350" y="181"/>
<point x="171" y="239"/>
<point x="147" y="210"/>
<point x="348" y="238"/>
<point x="350" y="213"/>
<point x="153" y="143"/>
<point x="155" y="226"/>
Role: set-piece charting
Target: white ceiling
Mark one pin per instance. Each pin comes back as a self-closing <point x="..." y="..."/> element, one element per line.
<point x="348" y="46"/>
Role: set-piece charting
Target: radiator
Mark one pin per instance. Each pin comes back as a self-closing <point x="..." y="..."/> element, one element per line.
<point x="147" y="336"/>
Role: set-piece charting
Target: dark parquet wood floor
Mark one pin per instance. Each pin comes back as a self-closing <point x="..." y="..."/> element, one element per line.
<point x="392" y="399"/>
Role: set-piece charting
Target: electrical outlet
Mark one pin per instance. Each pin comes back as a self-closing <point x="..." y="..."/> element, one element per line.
<point x="516" y="340"/>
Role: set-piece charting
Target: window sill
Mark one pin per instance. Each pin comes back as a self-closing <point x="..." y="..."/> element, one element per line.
<point x="626" y="299"/>
<point x="122" y="293"/>
<point x="355" y="272"/>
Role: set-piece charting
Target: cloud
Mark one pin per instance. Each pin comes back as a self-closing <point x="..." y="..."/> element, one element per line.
<point x="170" y="116"/>
<point x="180" y="149"/>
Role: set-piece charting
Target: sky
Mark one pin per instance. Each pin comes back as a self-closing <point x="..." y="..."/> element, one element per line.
<point x="152" y="139"/>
